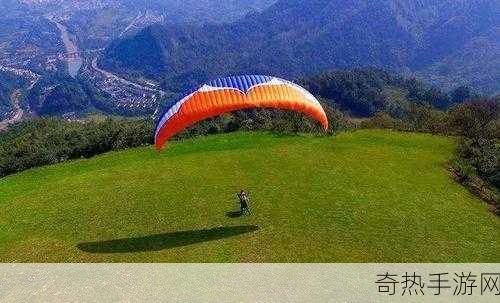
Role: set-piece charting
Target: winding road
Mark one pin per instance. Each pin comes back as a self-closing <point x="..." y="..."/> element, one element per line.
<point x="125" y="81"/>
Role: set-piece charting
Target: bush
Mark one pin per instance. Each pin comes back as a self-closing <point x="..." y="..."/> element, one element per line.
<point x="477" y="119"/>
<point x="278" y="121"/>
<point x="381" y="120"/>
<point x="424" y="118"/>
<point x="417" y="118"/>
<point x="463" y="170"/>
<point x="48" y="141"/>
<point x="484" y="156"/>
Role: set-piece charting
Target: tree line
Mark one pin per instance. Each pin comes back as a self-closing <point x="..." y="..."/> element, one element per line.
<point x="45" y="141"/>
<point x="476" y="125"/>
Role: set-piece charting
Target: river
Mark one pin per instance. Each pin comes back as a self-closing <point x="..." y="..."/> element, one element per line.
<point x="74" y="63"/>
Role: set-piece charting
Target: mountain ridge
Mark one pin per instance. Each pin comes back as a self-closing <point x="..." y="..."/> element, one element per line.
<point x="413" y="37"/>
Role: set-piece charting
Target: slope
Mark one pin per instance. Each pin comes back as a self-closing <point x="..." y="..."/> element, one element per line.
<point x="365" y="196"/>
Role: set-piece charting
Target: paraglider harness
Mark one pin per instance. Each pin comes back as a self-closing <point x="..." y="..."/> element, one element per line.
<point x="244" y="201"/>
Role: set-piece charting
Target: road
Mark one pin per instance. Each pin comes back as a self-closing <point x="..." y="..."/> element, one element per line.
<point x="131" y="25"/>
<point x="18" y="113"/>
<point x="124" y="81"/>
<point x="22" y="73"/>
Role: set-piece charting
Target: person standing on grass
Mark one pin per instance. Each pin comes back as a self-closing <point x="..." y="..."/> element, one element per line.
<point x="244" y="201"/>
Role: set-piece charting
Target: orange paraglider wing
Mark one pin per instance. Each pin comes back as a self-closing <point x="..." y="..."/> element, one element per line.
<point x="235" y="93"/>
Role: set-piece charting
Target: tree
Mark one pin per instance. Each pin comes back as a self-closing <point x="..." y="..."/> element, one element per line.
<point x="478" y="123"/>
<point x="476" y="119"/>
<point x="461" y="94"/>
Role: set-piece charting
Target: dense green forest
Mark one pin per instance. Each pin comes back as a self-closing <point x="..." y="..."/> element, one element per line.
<point x="47" y="141"/>
<point x="364" y="92"/>
<point x="56" y="94"/>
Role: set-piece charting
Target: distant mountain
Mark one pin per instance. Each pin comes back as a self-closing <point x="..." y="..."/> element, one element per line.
<point x="196" y="11"/>
<point x="31" y="42"/>
<point x="96" y="22"/>
<point x="448" y="42"/>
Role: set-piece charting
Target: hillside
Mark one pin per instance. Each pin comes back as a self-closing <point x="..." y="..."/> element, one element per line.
<point x="359" y="92"/>
<point x="364" y="196"/>
<point x="34" y="35"/>
<point x="432" y="39"/>
<point x="98" y="21"/>
<point x="364" y="92"/>
<point x="8" y="83"/>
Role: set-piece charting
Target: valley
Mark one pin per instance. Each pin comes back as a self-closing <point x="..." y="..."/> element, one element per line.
<point x="127" y="58"/>
<point x="60" y="41"/>
<point x="72" y="55"/>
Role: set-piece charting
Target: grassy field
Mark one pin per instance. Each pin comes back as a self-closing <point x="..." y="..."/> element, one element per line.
<point x="364" y="196"/>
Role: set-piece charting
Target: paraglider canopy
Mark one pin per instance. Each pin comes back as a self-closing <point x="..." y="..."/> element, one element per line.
<point x="235" y="93"/>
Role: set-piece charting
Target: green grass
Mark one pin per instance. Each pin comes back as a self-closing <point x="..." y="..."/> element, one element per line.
<point x="364" y="196"/>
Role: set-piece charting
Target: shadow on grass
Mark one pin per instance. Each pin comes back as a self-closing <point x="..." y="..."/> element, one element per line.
<point x="164" y="241"/>
<point x="234" y="214"/>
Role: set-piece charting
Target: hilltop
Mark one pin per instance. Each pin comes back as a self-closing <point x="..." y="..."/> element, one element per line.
<point x="363" y="196"/>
